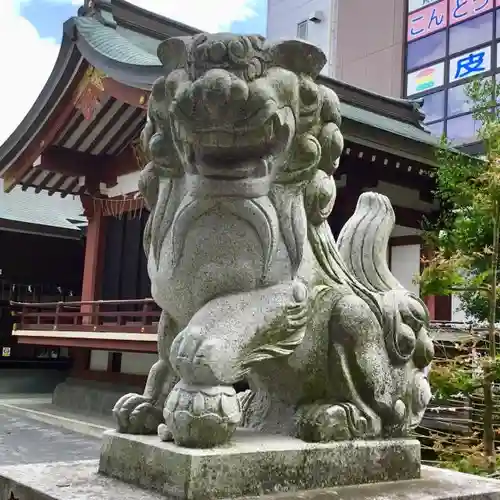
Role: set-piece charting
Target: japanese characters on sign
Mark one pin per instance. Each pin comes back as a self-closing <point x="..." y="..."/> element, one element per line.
<point x="425" y="79"/>
<point x="414" y="5"/>
<point x="470" y="64"/>
<point x="460" y="10"/>
<point x="428" y="20"/>
<point x="434" y="16"/>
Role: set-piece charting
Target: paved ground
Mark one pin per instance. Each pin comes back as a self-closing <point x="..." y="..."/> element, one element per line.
<point x="24" y="441"/>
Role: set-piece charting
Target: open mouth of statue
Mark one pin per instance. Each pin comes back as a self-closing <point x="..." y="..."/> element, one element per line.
<point x="232" y="153"/>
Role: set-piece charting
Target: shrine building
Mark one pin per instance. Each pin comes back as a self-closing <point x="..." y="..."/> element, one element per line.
<point x="80" y="140"/>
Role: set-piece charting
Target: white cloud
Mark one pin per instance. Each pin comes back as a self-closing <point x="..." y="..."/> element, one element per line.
<point x="26" y="60"/>
<point x="207" y="15"/>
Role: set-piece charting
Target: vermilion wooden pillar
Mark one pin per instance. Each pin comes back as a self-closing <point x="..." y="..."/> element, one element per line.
<point x="94" y="255"/>
<point x="439" y="306"/>
<point x="430" y="302"/>
<point x="92" y="271"/>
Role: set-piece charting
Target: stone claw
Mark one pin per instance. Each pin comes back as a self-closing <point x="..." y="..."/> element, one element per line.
<point x="326" y="423"/>
<point x="136" y="414"/>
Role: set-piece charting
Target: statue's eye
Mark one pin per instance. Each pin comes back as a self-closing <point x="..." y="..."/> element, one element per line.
<point x="217" y="52"/>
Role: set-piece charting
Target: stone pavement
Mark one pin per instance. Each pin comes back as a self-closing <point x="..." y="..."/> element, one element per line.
<point x="24" y="441"/>
<point x="40" y="408"/>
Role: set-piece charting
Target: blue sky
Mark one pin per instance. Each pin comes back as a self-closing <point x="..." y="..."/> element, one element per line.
<point x="48" y="16"/>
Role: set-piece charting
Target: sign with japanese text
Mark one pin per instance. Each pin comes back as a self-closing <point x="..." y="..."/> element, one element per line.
<point x="425" y="79"/>
<point x="414" y="5"/>
<point x="426" y="21"/>
<point x="460" y="10"/>
<point x="471" y="64"/>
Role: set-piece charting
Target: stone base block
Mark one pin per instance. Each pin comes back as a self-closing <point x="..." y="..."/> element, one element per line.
<point x="80" y="481"/>
<point x="254" y="464"/>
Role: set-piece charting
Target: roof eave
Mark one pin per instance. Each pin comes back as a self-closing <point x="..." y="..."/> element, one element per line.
<point x="141" y="77"/>
<point x="398" y="109"/>
<point x="40" y="230"/>
<point x="389" y="142"/>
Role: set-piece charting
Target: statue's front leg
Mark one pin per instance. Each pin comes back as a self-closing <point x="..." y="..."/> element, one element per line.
<point x="210" y="355"/>
<point x="143" y="413"/>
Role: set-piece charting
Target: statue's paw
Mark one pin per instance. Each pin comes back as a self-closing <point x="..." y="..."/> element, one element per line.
<point x="325" y="423"/>
<point x="201" y="416"/>
<point x="135" y="414"/>
<point x="195" y="356"/>
<point x="164" y="433"/>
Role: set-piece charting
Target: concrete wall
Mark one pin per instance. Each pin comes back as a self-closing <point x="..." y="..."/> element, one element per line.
<point x="284" y="16"/>
<point x="363" y="40"/>
<point x="90" y="397"/>
<point x="30" y="381"/>
<point x="405" y="265"/>
<point x="98" y="361"/>
<point x="138" y="363"/>
<point x="370" y="44"/>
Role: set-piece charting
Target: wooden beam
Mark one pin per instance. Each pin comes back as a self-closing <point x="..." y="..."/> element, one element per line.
<point x="68" y="162"/>
<point x="101" y="344"/>
<point x="114" y="362"/>
<point x="125" y="163"/>
<point x="123" y="93"/>
<point x="46" y="135"/>
<point x="409" y="217"/>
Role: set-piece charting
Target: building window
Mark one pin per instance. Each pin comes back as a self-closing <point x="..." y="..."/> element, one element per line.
<point x="435" y="129"/>
<point x="461" y="10"/>
<point x="471" y="33"/>
<point x="450" y="42"/>
<point x="458" y="101"/>
<point x="462" y="129"/>
<point x="302" y="29"/>
<point x="425" y="79"/>
<point x="471" y="64"/>
<point x="433" y="107"/>
<point x="426" y="50"/>
<point x="427" y="20"/>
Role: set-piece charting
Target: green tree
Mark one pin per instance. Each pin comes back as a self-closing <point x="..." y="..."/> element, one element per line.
<point x="464" y="240"/>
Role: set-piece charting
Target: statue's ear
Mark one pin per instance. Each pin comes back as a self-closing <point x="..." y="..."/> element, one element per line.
<point x="298" y="56"/>
<point x="173" y="53"/>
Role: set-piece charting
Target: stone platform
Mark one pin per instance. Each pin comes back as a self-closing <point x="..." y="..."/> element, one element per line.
<point x="80" y="481"/>
<point x="254" y="464"/>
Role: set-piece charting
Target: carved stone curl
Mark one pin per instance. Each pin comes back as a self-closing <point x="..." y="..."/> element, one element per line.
<point x="243" y="146"/>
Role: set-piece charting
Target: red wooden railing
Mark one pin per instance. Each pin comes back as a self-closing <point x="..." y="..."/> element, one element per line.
<point x="124" y="316"/>
<point x="133" y="316"/>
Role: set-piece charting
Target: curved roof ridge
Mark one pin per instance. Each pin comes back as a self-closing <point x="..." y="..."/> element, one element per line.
<point x="110" y="43"/>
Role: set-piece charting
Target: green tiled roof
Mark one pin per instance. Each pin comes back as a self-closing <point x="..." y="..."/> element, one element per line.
<point x="391" y="125"/>
<point x="112" y="44"/>
<point x="40" y="208"/>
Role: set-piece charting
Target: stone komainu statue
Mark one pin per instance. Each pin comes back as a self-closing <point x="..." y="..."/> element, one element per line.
<point x="243" y="146"/>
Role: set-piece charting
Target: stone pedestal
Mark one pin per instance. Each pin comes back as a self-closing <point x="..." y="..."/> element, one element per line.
<point x="80" y="481"/>
<point x="254" y="464"/>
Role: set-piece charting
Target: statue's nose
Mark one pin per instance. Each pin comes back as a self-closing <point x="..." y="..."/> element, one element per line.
<point x="219" y="91"/>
